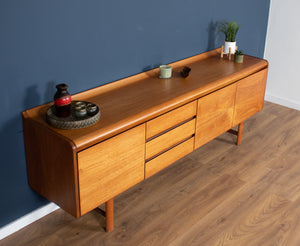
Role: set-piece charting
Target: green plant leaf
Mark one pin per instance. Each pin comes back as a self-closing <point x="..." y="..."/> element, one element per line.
<point x="230" y="30"/>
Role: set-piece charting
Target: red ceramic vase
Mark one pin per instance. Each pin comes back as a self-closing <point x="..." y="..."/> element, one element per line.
<point x="62" y="101"/>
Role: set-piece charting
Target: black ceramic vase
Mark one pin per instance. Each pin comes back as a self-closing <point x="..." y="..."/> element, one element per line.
<point x="62" y="101"/>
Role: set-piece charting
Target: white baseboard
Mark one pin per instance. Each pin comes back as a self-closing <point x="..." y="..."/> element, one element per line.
<point x="26" y="220"/>
<point x="283" y="101"/>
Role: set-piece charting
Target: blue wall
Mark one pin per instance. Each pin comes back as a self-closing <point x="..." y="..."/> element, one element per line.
<point x="90" y="43"/>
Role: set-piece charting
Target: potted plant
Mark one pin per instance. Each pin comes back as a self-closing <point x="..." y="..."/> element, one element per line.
<point x="230" y="30"/>
<point x="239" y="56"/>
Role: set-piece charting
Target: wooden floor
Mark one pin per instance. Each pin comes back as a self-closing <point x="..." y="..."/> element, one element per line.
<point x="221" y="194"/>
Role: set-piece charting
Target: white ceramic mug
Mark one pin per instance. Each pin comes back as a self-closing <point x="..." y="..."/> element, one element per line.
<point x="165" y="71"/>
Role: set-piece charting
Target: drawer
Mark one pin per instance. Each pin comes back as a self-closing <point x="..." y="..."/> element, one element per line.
<point x="169" y="157"/>
<point x="170" y="119"/>
<point x="170" y="138"/>
<point x="111" y="167"/>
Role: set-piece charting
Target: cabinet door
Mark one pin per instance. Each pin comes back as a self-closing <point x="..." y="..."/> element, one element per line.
<point x="250" y="95"/>
<point x="111" y="167"/>
<point x="215" y="114"/>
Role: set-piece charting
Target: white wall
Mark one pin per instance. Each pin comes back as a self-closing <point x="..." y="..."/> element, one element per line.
<point x="283" y="53"/>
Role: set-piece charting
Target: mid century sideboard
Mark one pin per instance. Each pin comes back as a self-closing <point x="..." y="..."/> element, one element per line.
<point x="146" y="124"/>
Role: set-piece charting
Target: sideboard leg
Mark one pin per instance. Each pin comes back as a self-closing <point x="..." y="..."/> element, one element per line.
<point x="109" y="207"/>
<point x="240" y="131"/>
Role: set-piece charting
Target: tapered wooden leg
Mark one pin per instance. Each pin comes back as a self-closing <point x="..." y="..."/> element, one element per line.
<point x="222" y="51"/>
<point x="109" y="207"/>
<point x="240" y="132"/>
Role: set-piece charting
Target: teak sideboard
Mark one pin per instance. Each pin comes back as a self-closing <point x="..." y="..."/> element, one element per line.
<point x="146" y="124"/>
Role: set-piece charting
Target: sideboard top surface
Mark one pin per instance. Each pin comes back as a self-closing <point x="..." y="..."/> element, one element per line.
<point x="134" y="100"/>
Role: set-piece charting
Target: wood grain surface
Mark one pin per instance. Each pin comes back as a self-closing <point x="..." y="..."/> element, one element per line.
<point x="169" y="157"/>
<point x="170" y="139"/>
<point x="250" y="94"/>
<point x="215" y="114"/>
<point x="221" y="194"/>
<point x="111" y="167"/>
<point x="170" y="119"/>
<point x="134" y="100"/>
<point x="53" y="167"/>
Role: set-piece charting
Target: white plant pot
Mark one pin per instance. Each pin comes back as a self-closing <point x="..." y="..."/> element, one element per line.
<point x="229" y="45"/>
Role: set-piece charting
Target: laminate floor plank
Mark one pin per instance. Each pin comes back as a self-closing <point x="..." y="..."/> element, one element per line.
<point x="221" y="194"/>
<point x="229" y="214"/>
<point x="185" y="213"/>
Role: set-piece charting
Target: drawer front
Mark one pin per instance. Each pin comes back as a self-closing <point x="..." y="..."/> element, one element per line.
<point x="111" y="167"/>
<point x="250" y="95"/>
<point x="170" y="119"/>
<point x="170" y="139"/>
<point x="215" y="114"/>
<point x="169" y="157"/>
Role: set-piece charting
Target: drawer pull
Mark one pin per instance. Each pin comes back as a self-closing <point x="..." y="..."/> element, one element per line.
<point x="170" y="139"/>
<point x="170" y="119"/>
<point x="167" y="158"/>
<point x="166" y="150"/>
<point x="170" y="129"/>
